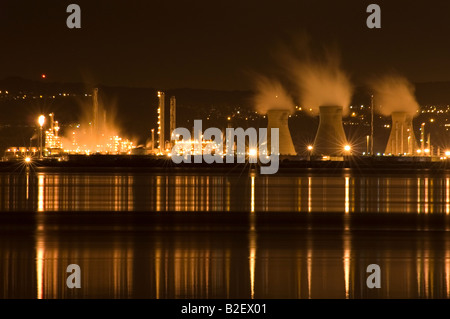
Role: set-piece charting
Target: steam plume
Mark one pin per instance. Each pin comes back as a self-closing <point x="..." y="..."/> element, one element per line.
<point x="394" y="93"/>
<point x="271" y="95"/>
<point x="88" y="139"/>
<point x="322" y="82"/>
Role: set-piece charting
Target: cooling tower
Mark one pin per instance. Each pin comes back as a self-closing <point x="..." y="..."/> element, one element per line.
<point x="279" y="119"/>
<point x="330" y="138"/>
<point x="401" y="140"/>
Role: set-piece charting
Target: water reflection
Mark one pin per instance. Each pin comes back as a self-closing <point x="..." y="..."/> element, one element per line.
<point x="160" y="259"/>
<point x="250" y="193"/>
<point x="41" y="198"/>
<point x="347" y="260"/>
<point x="447" y="195"/>
<point x="250" y="254"/>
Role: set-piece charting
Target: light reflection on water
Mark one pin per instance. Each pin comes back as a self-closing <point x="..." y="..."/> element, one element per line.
<point x="151" y="263"/>
<point x="185" y="192"/>
<point x="251" y="253"/>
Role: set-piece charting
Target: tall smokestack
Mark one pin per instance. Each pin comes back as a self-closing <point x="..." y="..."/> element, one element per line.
<point x="279" y="119"/>
<point x="95" y="111"/>
<point x="401" y="140"/>
<point x="173" y="115"/>
<point x="330" y="138"/>
<point x="161" y="119"/>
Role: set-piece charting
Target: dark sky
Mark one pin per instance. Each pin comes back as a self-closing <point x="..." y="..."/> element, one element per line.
<point x="214" y="43"/>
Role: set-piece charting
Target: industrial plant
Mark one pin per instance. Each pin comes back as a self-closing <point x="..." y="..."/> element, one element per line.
<point x="402" y="140"/>
<point x="98" y="135"/>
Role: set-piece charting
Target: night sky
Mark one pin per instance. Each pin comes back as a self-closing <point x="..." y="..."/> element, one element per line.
<point x="214" y="44"/>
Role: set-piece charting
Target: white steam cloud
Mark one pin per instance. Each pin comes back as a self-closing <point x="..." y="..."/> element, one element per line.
<point x="270" y="95"/>
<point x="394" y="93"/>
<point x="322" y="82"/>
<point x="316" y="78"/>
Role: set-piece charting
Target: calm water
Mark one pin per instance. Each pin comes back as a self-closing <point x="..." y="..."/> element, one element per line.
<point x="180" y="235"/>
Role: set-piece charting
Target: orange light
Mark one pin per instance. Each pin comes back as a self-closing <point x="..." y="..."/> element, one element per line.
<point x="43" y="76"/>
<point x="41" y="120"/>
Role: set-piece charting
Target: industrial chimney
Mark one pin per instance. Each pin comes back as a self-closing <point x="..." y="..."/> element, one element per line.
<point x="279" y="119"/>
<point x="330" y="138"/>
<point x="401" y="140"/>
<point x="161" y="120"/>
<point x="173" y="115"/>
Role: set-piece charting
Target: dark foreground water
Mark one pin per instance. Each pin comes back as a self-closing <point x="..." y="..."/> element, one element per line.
<point x="179" y="235"/>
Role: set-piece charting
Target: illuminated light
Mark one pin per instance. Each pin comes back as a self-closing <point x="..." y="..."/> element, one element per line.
<point x="310" y="147"/>
<point x="229" y="118"/>
<point x="309" y="194"/>
<point x="40" y="270"/>
<point x="40" y="193"/>
<point x="27" y="159"/>
<point x="419" y="151"/>
<point x="43" y="76"/>
<point x="252" y="264"/>
<point x="347" y="195"/>
<point x="347" y="148"/>
<point x="41" y="120"/>
<point x="447" y="153"/>
<point x="252" y="202"/>
<point x="253" y="152"/>
<point x="447" y="196"/>
<point x="347" y="264"/>
<point x="431" y="120"/>
<point x="427" y="150"/>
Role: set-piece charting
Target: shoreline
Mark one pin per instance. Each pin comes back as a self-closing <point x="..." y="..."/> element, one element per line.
<point x="287" y="164"/>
